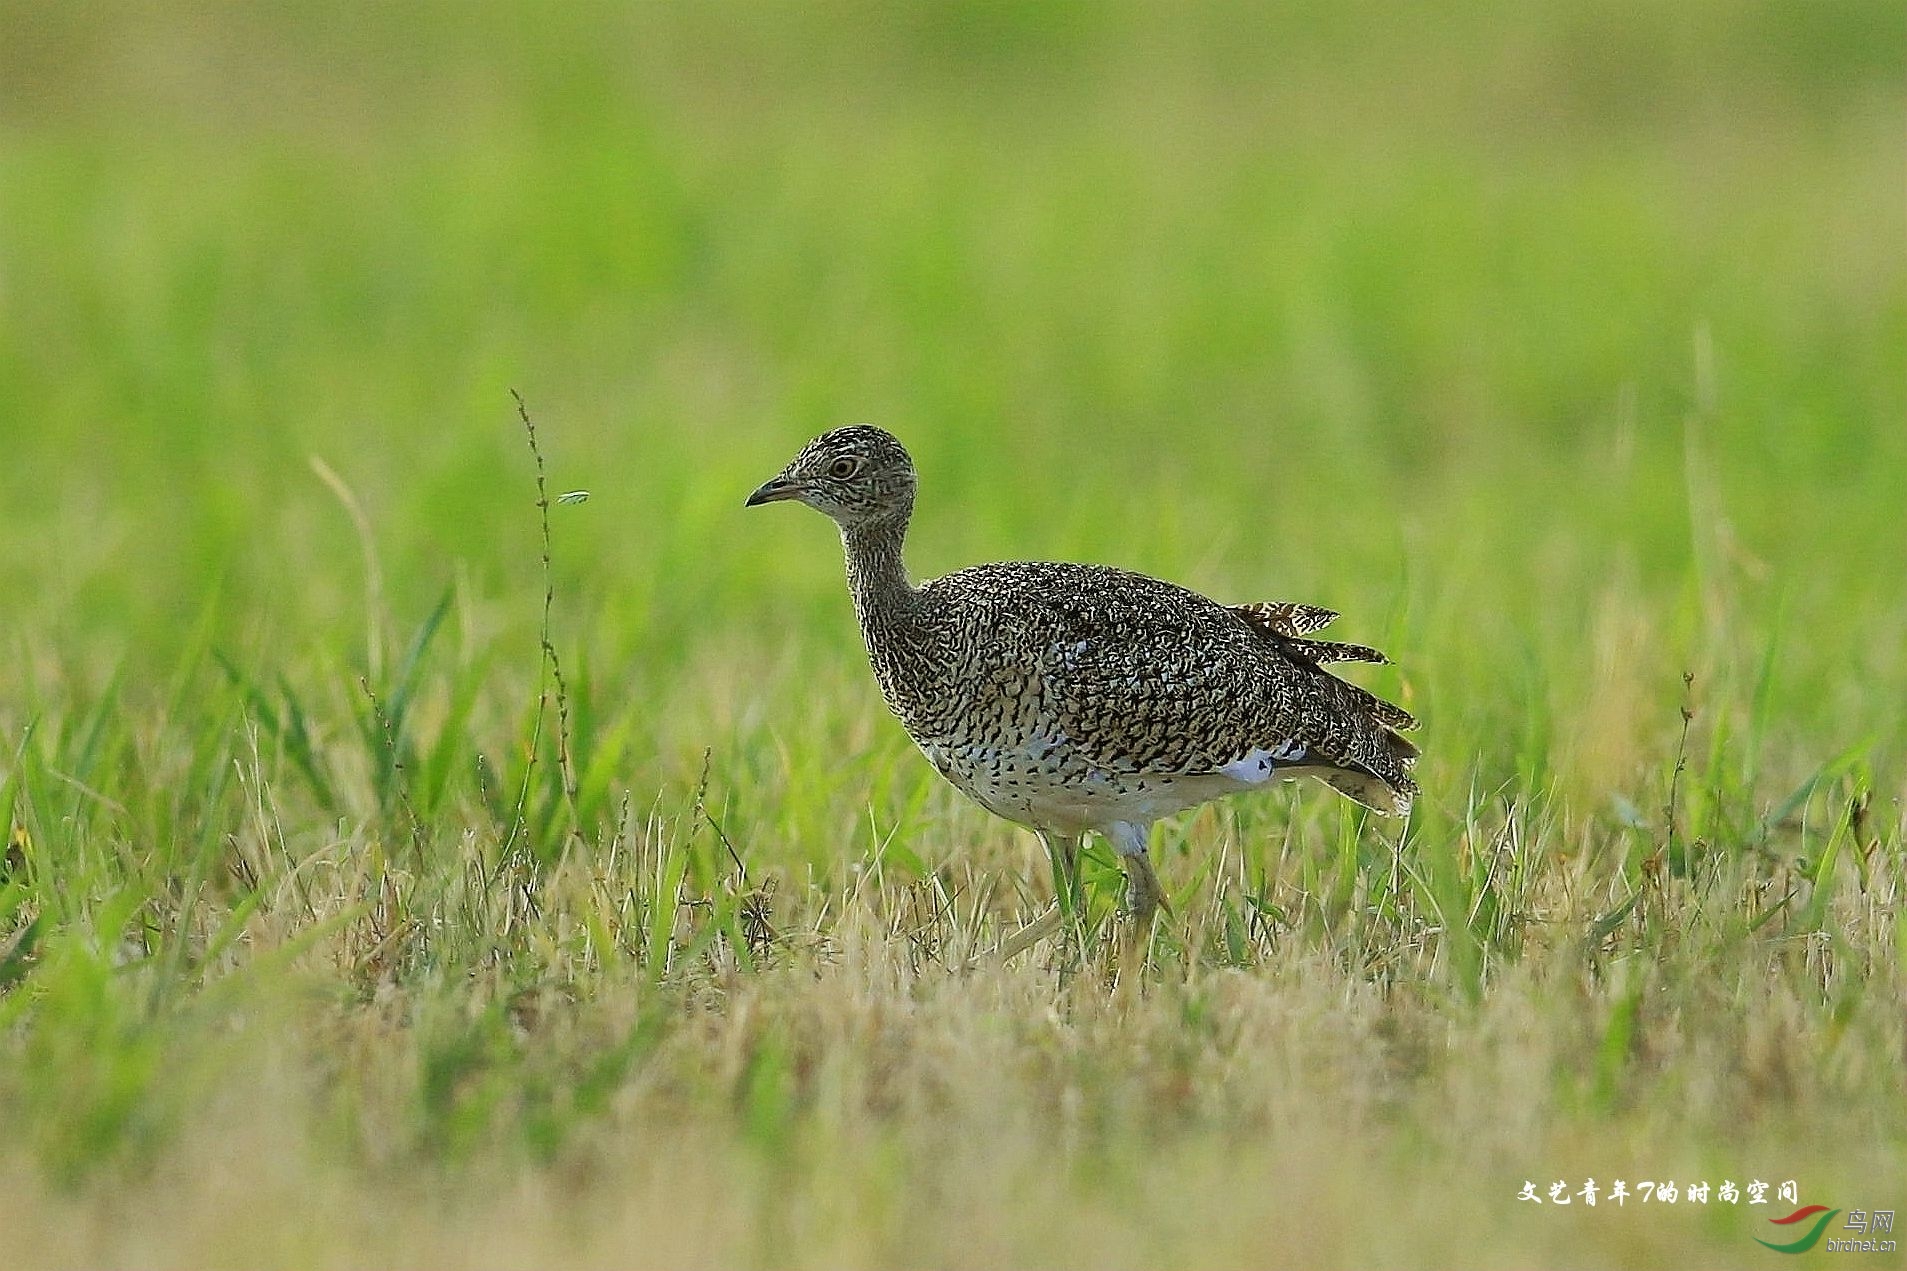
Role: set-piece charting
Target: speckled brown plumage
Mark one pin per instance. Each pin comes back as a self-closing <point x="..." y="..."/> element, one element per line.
<point x="1071" y="697"/>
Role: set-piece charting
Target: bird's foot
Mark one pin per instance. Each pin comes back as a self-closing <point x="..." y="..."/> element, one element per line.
<point x="1047" y="924"/>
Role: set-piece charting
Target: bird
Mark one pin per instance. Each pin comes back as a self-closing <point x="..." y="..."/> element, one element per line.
<point x="1078" y="698"/>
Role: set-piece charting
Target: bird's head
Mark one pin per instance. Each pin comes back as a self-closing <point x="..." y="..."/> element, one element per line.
<point x="859" y="476"/>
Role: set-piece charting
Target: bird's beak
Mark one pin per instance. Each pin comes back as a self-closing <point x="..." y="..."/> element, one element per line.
<point x="773" y="491"/>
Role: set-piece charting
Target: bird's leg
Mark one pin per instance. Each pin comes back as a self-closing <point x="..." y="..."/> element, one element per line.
<point x="1069" y="908"/>
<point x="1144" y="896"/>
<point x="1032" y="933"/>
<point x="1062" y="853"/>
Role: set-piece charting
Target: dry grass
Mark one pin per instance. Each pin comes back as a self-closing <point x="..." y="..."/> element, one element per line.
<point x="1564" y="350"/>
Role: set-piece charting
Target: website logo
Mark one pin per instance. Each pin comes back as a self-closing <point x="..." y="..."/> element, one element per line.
<point x="1813" y="1236"/>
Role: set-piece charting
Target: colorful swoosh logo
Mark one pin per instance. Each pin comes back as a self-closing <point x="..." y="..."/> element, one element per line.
<point x="1808" y="1241"/>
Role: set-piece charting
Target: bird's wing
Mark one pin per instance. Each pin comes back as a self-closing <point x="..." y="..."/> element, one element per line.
<point x="1286" y="624"/>
<point x="1146" y="676"/>
<point x="1285" y="617"/>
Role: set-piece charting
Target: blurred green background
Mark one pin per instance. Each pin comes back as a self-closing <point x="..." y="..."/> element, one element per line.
<point x="1485" y="308"/>
<point x="1562" y="346"/>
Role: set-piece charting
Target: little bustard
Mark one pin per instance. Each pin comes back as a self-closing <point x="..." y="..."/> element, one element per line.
<point x="1075" y="698"/>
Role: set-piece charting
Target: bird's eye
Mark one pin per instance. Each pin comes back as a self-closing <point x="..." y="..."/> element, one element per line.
<point x="843" y="467"/>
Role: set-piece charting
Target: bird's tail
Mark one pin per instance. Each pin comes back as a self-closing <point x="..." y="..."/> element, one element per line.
<point x="1383" y="783"/>
<point x="1386" y="796"/>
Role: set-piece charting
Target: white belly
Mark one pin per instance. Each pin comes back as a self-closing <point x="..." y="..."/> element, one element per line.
<point x="1025" y="786"/>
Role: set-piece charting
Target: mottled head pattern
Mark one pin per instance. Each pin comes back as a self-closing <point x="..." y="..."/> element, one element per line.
<point x="859" y="476"/>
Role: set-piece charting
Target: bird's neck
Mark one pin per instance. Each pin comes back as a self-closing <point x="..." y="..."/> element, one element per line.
<point x="890" y="612"/>
<point x="876" y="576"/>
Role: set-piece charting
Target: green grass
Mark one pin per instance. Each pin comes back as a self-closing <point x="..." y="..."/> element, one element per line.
<point x="1562" y="347"/>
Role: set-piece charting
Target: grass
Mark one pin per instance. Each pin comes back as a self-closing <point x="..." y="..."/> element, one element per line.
<point x="1564" y="349"/>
